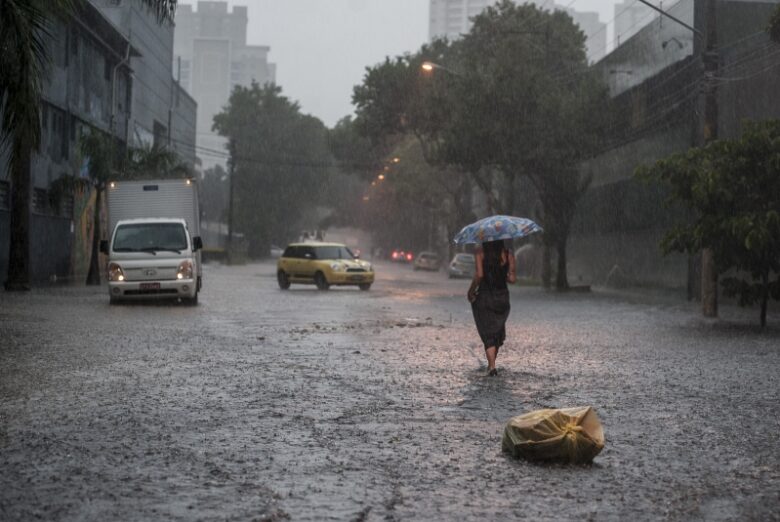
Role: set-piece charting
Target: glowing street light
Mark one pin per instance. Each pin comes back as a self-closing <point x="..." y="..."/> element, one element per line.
<point x="396" y="160"/>
<point x="381" y="177"/>
<point x="428" y="67"/>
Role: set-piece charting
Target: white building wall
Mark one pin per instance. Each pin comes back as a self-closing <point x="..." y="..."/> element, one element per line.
<point x="210" y="43"/>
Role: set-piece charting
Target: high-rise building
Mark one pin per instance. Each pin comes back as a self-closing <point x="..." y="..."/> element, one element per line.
<point x="630" y="17"/>
<point x="595" y="31"/>
<point x="211" y="57"/>
<point x="452" y="18"/>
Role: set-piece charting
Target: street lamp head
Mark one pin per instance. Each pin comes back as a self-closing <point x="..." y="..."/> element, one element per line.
<point x="428" y="66"/>
<point x="381" y="177"/>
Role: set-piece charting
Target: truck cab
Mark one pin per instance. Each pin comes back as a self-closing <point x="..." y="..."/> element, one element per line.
<point x="153" y="258"/>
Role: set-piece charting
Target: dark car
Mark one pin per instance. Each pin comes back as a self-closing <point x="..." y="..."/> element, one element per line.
<point x="402" y="256"/>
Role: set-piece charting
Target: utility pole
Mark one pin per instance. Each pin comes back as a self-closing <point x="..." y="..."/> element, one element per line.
<point x="705" y="26"/>
<point x="709" y="273"/>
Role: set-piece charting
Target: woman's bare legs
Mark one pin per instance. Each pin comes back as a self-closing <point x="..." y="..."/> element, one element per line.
<point x="491" y="354"/>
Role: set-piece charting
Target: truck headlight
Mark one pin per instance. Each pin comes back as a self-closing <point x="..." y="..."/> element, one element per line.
<point x="185" y="270"/>
<point x="115" y="272"/>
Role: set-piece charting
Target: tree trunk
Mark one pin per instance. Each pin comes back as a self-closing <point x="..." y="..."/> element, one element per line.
<point x="764" y="298"/>
<point x="561" y="279"/>
<point x="93" y="275"/>
<point x="546" y="266"/>
<point x="18" y="277"/>
<point x="709" y="284"/>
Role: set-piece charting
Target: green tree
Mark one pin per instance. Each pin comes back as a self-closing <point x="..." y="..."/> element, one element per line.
<point x="25" y="27"/>
<point x="396" y="101"/>
<point x="732" y="188"/>
<point x="512" y="100"/>
<point x="774" y="26"/>
<point x="280" y="159"/>
<point x="528" y="107"/>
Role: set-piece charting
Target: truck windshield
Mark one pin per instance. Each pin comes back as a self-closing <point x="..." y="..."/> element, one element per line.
<point x="150" y="237"/>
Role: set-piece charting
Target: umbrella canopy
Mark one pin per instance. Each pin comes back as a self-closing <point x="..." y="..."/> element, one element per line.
<point x="495" y="228"/>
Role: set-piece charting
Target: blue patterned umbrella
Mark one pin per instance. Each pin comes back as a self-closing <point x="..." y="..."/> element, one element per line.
<point x="495" y="228"/>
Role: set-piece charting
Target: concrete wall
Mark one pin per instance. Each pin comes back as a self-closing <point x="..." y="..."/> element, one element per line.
<point x="620" y="220"/>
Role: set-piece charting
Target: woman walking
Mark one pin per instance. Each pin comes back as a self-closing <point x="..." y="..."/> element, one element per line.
<point x="489" y="297"/>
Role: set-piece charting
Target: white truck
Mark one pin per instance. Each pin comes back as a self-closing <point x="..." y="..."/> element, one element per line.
<point x="154" y="246"/>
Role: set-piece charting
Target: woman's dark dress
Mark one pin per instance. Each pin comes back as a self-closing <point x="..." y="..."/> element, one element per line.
<point x="491" y="308"/>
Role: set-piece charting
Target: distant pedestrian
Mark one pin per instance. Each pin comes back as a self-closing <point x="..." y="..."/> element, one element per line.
<point x="489" y="297"/>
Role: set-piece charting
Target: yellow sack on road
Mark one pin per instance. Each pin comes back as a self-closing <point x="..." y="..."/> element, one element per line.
<point x="572" y="435"/>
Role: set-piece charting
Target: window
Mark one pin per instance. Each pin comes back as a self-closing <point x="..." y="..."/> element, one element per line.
<point x="5" y="195"/>
<point x="334" y="252"/>
<point x="40" y="202"/>
<point x="150" y="237"/>
<point x="306" y="252"/>
<point x="160" y="134"/>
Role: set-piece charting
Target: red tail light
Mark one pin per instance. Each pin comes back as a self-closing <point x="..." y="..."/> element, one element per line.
<point x="408" y="257"/>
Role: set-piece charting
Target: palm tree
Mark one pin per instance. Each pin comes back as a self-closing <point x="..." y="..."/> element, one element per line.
<point x="24" y="57"/>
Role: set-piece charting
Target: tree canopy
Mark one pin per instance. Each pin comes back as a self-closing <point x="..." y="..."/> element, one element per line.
<point x="732" y="188"/>
<point x="280" y="160"/>
<point x="513" y="99"/>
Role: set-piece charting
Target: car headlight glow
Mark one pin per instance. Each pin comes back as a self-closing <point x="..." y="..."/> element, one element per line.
<point x="185" y="270"/>
<point x="115" y="272"/>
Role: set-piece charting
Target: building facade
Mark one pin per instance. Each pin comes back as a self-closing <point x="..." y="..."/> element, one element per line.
<point x="104" y="64"/>
<point x="163" y="113"/>
<point x="630" y="18"/>
<point x="656" y="81"/>
<point x="211" y="57"/>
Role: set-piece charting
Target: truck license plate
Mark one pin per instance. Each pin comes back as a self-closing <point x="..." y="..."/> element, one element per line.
<point x="150" y="286"/>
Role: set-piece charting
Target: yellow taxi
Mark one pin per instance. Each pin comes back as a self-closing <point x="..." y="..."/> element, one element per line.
<point x="324" y="265"/>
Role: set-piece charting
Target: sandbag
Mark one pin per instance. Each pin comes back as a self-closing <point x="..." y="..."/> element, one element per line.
<point x="569" y="435"/>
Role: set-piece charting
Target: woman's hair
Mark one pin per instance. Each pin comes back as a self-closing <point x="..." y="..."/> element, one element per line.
<point x="493" y="251"/>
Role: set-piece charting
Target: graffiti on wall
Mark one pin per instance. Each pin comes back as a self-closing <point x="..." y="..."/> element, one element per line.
<point x="83" y="229"/>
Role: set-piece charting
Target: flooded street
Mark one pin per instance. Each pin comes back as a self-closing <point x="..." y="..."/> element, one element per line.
<point x="260" y="404"/>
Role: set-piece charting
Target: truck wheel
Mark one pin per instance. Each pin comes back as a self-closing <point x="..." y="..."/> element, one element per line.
<point x="113" y="300"/>
<point x="283" y="280"/>
<point x="190" y="301"/>
<point x="364" y="286"/>
<point x="321" y="281"/>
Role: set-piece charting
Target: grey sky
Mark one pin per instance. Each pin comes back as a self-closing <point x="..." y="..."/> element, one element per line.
<point x="321" y="47"/>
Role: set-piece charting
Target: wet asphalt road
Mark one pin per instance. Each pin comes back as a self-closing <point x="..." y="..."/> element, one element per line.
<point x="260" y="404"/>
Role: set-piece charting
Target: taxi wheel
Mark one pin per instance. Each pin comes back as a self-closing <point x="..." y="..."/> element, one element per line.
<point x="281" y="278"/>
<point x="364" y="286"/>
<point x="320" y="281"/>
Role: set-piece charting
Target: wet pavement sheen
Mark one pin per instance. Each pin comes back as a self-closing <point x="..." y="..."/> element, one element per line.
<point x="260" y="404"/>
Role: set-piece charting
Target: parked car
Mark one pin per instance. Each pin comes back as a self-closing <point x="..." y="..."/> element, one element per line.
<point x="427" y="261"/>
<point x="462" y="265"/>
<point x="324" y="265"/>
<point x="402" y="256"/>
